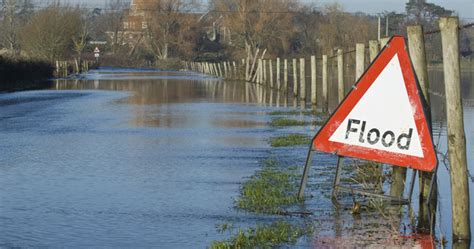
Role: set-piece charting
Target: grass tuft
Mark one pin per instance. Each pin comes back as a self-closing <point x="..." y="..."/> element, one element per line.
<point x="281" y="122"/>
<point x="268" y="190"/>
<point x="290" y="140"/>
<point x="263" y="236"/>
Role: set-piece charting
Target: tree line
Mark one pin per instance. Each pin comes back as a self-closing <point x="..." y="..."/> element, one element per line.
<point x="184" y="29"/>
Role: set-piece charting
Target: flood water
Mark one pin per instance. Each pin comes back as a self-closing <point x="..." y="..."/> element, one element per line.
<point x="143" y="158"/>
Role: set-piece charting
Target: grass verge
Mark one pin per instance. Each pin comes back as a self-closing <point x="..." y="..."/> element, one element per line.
<point x="269" y="190"/>
<point x="264" y="236"/>
<point x="290" y="140"/>
<point x="281" y="122"/>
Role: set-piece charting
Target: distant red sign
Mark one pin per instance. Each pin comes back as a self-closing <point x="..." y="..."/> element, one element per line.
<point x="382" y="119"/>
<point x="96" y="50"/>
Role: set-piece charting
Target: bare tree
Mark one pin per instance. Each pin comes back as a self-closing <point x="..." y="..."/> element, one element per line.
<point x="166" y="20"/>
<point x="114" y="23"/>
<point x="15" y="14"/>
<point x="49" y="33"/>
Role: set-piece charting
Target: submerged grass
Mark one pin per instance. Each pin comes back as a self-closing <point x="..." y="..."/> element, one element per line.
<point x="269" y="190"/>
<point x="264" y="236"/>
<point x="280" y="122"/>
<point x="284" y="113"/>
<point x="290" y="140"/>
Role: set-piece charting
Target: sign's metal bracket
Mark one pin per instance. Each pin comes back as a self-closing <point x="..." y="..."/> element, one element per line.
<point x="338" y="187"/>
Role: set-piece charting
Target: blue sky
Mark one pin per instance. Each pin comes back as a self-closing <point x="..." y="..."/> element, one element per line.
<point x="465" y="8"/>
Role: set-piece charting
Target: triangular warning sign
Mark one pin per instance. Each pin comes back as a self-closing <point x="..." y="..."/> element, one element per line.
<point x="382" y="119"/>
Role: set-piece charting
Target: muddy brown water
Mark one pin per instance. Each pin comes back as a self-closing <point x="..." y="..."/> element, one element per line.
<point x="145" y="158"/>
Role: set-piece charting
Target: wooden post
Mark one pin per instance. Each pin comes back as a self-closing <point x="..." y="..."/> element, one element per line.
<point x="220" y="70"/>
<point x="226" y="71"/>
<point x="416" y="44"/>
<point x="295" y="78"/>
<point x="270" y="64"/>
<point x="302" y="80"/>
<point x="340" y="75"/>
<point x="313" y="82"/>
<point x="384" y="41"/>
<point x="360" y="60"/>
<point x="325" y="84"/>
<point x="285" y="75"/>
<point x="265" y="81"/>
<point x="456" y="138"/>
<point x="236" y="74"/>
<point x="278" y="80"/>
<point x="373" y="49"/>
<point x="247" y="66"/>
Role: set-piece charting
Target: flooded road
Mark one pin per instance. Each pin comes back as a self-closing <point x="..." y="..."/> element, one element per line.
<point x="156" y="163"/>
<point x="143" y="158"/>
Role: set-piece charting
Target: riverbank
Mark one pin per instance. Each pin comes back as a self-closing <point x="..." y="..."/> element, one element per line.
<point x="20" y="74"/>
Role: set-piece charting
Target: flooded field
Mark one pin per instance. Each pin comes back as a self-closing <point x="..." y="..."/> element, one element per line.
<point x="143" y="158"/>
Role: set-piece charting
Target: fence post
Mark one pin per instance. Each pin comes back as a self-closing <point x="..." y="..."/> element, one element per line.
<point x="340" y="75"/>
<point x="325" y="84"/>
<point x="416" y="45"/>
<point x="278" y="77"/>
<point x="285" y="75"/>
<point x="302" y="80"/>
<point x="313" y="82"/>
<point x="295" y="78"/>
<point x="265" y="80"/>
<point x="373" y="49"/>
<point x="247" y="66"/>
<point x="456" y="137"/>
<point x="270" y="64"/>
<point x="360" y="60"/>
<point x="384" y="41"/>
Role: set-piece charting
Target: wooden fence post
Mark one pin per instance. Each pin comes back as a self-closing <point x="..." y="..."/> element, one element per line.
<point x="360" y="60"/>
<point x="247" y="66"/>
<point x="285" y="75"/>
<point x="265" y="80"/>
<point x="416" y="45"/>
<point x="270" y="64"/>
<point x="302" y="80"/>
<point x="278" y="76"/>
<point x="313" y="82"/>
<point x="295" y="78"/>
<point x="325" y="84"/>
<point x="373" y="49"/>
<point x="340" y="75"/>
<point x="456" y="138"/>
<point x="384" y="42"/>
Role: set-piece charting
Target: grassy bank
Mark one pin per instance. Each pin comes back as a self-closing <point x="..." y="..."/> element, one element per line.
<point x="24" y="71"/>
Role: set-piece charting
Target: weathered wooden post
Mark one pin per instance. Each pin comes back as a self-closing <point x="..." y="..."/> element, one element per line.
<point x="313" y="82"/>
<point x="455" y="124"/>
<point x="265" y="81"/>
<point x="325" y="84"/>
<point x="220" y="70"/>
<point x="295" y="78"/>
<point x="340" y="75"/>
<point x="373" y="49"/>
<point x="247" y="66"/>
<point x="270" y="64"/>
<point x="236" y="73"/>
<point x="302" y="80"/>
<point x="416" y="44"/>
<point x="285" y="76"/>
<point x="278" y="76"/>
<point x="360" y="60"/>
<point x="384" y="41"/>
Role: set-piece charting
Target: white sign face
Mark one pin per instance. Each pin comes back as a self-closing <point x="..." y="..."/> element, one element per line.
<point x="390" y="124"/>
<point x="96" y="55"/>
<point x="96" y="50"/>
